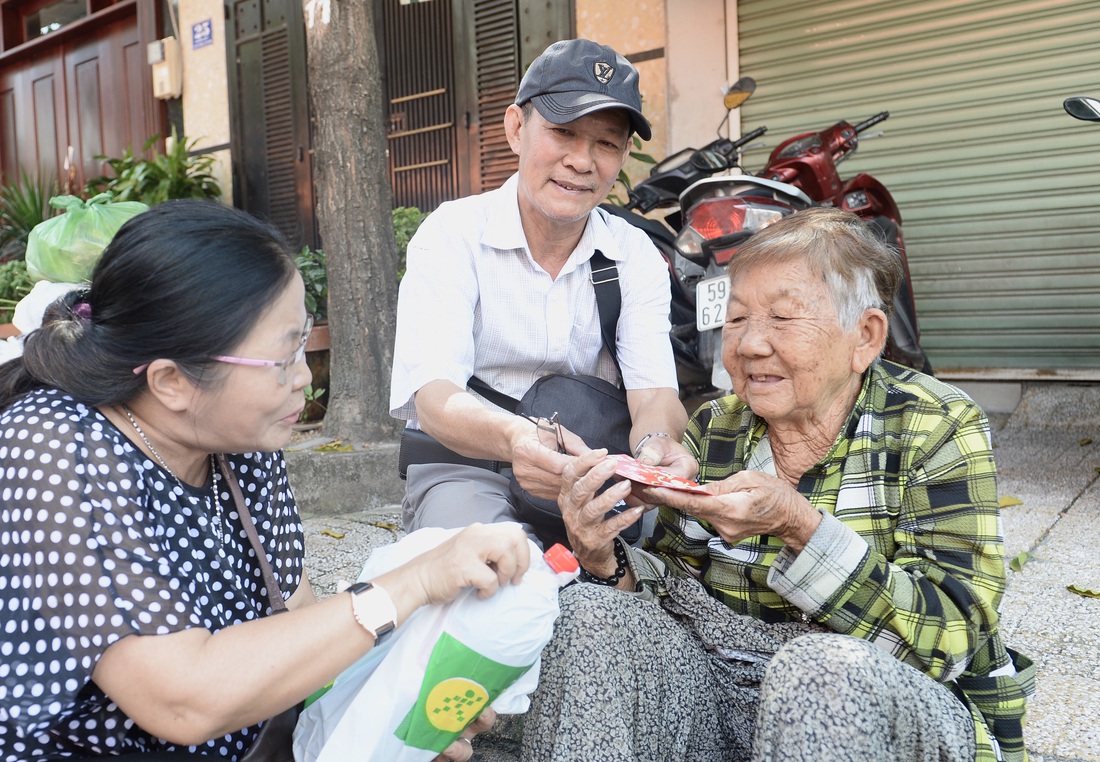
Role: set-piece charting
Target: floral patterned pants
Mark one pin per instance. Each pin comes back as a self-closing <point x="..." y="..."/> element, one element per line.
<point x="626" y="679"/>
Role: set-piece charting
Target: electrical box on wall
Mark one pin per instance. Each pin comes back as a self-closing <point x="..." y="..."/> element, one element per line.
<point x="164" y="57"/>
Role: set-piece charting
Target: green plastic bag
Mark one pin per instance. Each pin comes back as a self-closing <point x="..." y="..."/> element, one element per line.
<point x="64" y="249"/>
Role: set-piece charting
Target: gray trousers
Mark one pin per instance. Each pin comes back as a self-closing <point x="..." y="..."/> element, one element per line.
<point x="452" y="496"/>
<point x="624" y="679"/>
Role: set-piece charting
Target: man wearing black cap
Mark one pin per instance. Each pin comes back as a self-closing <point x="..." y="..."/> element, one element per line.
<point x="499" y="286"/>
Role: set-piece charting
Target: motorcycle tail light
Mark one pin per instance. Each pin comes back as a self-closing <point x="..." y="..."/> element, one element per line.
<point x="714" y="219"/>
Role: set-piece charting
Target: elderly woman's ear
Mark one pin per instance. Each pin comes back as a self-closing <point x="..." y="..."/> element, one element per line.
<point x="872" y="327"/>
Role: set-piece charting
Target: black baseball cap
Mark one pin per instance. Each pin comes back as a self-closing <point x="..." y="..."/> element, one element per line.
<point x="573" y="78"/>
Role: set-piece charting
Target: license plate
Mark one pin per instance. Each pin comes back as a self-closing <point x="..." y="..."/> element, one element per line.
<point x="711" y="296"/>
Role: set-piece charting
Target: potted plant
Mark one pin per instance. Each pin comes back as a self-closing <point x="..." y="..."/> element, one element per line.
<point x="174" y="174"/>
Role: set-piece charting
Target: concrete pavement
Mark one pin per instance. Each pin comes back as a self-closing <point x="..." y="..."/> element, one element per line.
<point x="1047" y="448"/>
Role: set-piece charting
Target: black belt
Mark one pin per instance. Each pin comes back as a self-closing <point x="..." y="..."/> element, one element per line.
<point x="419" y="448"/>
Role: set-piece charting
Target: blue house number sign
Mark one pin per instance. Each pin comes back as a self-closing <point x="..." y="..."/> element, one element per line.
<point x="202" y="34"/>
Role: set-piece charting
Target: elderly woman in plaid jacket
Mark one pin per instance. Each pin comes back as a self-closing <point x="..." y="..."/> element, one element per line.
<point x="834" y="595"/>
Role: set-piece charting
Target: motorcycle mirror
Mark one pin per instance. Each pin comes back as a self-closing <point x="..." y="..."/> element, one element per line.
<point x="1087" y="109"/>
<point x="739" y="92"/>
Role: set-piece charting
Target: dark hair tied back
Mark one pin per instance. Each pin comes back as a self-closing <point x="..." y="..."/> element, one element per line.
<point x="185" y="281"/>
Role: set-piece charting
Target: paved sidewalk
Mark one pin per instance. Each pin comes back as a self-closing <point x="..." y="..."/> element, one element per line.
<point x="1047" y="461"/>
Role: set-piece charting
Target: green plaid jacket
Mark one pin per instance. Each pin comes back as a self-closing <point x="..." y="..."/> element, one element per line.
<point x="909" y="554"/>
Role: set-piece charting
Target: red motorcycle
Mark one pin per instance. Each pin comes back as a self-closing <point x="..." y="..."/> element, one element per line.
<point x="712" y="214"/>
<point x="809" y="162"/>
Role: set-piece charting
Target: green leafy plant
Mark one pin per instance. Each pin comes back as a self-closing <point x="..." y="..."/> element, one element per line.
<point x="623" y="178"/>
<point x="311" y="264"/>
<point x="175" y="174"/>
<point x="406" y="219"/>
<point x="315" y="408"/>
<point x="23" y="204"/>
<point x="15" y="283"/>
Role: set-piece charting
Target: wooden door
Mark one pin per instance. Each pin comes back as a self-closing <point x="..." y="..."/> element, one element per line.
<point x="269" y="116"/>
<point x="86" y="86"/>
<point x="33" y="118"/>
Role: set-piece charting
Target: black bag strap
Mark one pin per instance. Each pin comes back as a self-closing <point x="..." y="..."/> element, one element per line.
<point x="609" y="302"/>
<point x="274" y="594"/>
<point x="500" y="399"/>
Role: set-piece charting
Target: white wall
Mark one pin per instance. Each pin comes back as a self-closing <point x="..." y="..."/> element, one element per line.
<point x="206" y="86"/>
<point x="702" y="57"/>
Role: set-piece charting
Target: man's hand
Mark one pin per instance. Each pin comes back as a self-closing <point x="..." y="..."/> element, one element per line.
<point x="668" y="454"/>
<point x="536" y="463"/>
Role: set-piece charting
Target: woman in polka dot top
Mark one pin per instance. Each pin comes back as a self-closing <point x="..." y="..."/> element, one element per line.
<point x="134" y="618"/>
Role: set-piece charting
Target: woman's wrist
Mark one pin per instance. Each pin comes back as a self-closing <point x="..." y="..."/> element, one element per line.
<point x="806" y="521"/>
<point x="405" y="590"/>
<point x="608" y="572"/>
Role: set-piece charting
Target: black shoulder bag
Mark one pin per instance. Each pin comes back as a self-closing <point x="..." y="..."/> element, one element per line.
<point x="590" y="407"/>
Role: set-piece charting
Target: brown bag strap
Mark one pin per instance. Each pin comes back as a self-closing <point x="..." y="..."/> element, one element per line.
<point x="274" y="593"/>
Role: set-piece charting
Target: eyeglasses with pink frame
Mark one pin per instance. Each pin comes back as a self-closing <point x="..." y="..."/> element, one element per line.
<point x="282" y="365"/>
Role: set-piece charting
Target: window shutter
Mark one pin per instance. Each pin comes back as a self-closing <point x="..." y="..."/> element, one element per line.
<point x="496" y="57"/>
<point x="278" y="126"/>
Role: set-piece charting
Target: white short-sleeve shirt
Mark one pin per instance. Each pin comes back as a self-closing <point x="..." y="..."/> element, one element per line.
<point x="473" y="301"/>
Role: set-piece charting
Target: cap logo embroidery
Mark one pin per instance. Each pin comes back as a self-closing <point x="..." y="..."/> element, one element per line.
<point x="603" y="71"/>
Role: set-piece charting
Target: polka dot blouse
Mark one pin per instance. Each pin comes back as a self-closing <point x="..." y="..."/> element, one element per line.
<point x="97" y="542"/>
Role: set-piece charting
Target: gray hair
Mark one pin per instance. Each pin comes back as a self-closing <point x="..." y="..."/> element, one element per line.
<point x="859" y="270"/>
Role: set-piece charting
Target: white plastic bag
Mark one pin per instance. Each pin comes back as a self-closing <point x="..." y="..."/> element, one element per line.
<point x="409" y="698"/>
<point x="28" y="314"/>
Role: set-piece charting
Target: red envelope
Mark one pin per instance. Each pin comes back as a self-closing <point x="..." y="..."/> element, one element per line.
<point x="635" y="471"/>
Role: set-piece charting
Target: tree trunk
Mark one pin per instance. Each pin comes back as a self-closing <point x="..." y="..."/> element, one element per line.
<point x="354" y="203"/>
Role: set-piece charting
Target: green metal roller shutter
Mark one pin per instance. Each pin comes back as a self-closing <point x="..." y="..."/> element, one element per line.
<point x="999" y="188"/>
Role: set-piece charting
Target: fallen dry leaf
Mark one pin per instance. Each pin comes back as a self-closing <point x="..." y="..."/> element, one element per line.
<point x="333" y="534"/>
<point x="1008" y="501"/>
<point x="384" y="525"/>
<point x="334" y="446"/>
<point x="1085" y="441"/>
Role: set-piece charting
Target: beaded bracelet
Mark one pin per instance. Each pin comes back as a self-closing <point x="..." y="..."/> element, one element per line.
<point x="620" y="569"/>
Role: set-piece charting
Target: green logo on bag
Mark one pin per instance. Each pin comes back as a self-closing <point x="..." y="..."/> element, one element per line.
<point x="458" y="684"/>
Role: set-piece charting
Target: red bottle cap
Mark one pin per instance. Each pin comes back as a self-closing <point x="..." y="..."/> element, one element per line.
<point x="561" y="559"/>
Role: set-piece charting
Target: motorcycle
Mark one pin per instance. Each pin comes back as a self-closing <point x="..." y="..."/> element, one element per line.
<point x="809" y="161"/>
<point x="710" y="216"/>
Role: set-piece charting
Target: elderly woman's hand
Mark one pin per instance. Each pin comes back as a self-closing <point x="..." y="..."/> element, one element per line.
<point x="591" y="535"/>
<point x="747" y="504"/>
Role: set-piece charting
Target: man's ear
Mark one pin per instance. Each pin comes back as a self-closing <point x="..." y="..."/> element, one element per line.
<point x="872" y="328"/>
<point x="513" y="121"/>
<point x="169" y="384"/>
